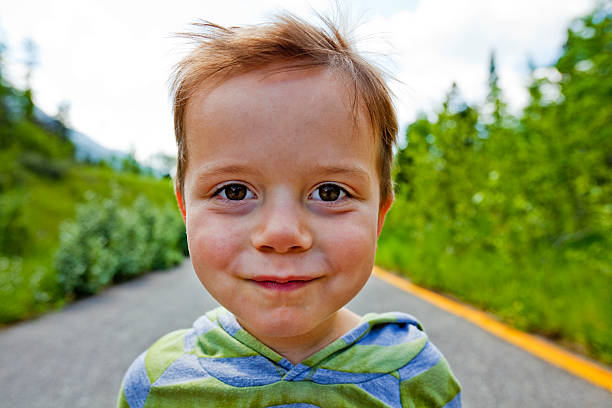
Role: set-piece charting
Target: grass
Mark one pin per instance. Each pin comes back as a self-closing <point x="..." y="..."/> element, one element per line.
<point x="27" y="282"/>
<point x="561" y="293"/>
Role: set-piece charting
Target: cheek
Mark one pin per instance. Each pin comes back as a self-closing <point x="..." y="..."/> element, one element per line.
<point x="351" y="244"/>
<point x="213" y="242"/>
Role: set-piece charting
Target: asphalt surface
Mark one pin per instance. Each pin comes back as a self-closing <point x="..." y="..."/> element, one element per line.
<point x="77" y="357"/>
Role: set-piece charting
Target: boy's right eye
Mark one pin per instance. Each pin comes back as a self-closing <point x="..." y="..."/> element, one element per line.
<point x="234" y="192"/>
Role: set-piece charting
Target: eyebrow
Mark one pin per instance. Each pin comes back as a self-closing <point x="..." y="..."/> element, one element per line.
<point x="348" y="170"/>
<point x="230" y="168"/>
<point x="212" y="171"/>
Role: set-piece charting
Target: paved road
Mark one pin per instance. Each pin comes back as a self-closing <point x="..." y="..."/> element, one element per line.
<point x="77" y="357"/>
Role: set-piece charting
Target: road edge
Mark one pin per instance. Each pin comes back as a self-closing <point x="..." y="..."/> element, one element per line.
<point x="571" y="363"/>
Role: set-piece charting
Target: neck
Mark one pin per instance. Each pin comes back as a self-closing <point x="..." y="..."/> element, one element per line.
<point x="298" y="348"/>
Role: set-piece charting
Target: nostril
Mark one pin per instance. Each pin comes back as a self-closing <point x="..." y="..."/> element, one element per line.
<point x="268" y="248"/>
<point x="281" y="237"/>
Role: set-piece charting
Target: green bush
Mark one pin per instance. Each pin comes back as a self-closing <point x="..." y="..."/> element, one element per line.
<point x="14" y="231"/>
<point x="110" y="242"/>
<point x="26" y="288"/>
<point x="11" y="278"/>
<point x="170" y="247"/>
<point x="47" y="167"/>
<point x="83" y="259"/>
<point x="10" y="171"/>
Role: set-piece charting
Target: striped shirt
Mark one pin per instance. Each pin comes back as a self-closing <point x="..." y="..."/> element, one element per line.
<point x="386" y="361"/>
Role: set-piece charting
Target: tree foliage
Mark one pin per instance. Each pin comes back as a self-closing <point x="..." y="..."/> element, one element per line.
<point x="514" y="213"/>
<point x="28" y="144"/>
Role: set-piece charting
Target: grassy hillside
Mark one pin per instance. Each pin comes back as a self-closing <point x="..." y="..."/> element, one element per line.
<point x="28" y="280"/>
<point x="68" y="229"/>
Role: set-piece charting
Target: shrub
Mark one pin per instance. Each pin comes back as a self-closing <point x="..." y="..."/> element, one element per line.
<point x="109" y="242"/>
<point x="169" y="248"/>
<point x="47" y="167"/>
<point x="10" y="170"/>
<point x="84" y="259"/>
<point x="14" y="231"/>
<point x="11" y="278"/>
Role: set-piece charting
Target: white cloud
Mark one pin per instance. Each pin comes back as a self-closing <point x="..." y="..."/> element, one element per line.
<point x="442" y="41"/>
<point x="111" y="59"/>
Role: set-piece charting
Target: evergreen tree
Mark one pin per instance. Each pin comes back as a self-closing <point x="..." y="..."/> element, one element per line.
<point x="494" y="105"/>
<point x="515" y="214"/>
<point x="569" y="126"/>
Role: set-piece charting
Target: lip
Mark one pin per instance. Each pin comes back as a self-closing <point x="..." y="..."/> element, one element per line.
<point x="285" y="283"/>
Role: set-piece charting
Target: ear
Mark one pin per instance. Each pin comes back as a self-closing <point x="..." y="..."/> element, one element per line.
<point x="382" y="213"/>
<point x="181" y="202"/>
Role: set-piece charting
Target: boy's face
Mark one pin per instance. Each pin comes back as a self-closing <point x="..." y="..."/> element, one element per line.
<point x="281" y="199"/>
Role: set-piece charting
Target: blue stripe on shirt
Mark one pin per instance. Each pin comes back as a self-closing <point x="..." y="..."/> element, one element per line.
<point x="385" y="388"/>
<point x="242" y="371"/>
<point x="455" y="402"/>
<point x="185" y="369"/>
<point x="391" y="335"/>
<point x="136" y="384"/>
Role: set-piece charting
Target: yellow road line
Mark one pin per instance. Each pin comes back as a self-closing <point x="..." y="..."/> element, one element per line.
<point x="576" y="365"/>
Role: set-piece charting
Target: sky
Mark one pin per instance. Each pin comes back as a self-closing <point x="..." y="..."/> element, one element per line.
<point x="110" y="60"/>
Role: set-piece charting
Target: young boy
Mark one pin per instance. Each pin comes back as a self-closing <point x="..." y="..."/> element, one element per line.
<point x="285" y="139"/>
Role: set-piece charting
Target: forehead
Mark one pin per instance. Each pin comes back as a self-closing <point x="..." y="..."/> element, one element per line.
<point x="299" y="86"/>
<point x="278" y="106"/>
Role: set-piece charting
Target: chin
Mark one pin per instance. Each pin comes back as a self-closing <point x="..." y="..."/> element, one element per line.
<point x="281" y="323"/>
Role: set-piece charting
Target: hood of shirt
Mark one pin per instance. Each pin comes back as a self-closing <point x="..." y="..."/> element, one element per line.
<point x="380" y="344"/>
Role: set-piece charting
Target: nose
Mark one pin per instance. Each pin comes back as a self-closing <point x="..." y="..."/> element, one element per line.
<point x="282" y="227"/>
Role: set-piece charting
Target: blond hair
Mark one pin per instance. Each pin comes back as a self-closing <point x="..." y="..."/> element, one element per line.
<point x="223" y="52"/>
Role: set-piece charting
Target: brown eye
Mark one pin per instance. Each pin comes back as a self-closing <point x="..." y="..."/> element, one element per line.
<point x="329" y="192"/>
<point x="235" y="192"/>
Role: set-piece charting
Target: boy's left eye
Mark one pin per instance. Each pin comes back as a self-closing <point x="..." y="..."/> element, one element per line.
<point x="329" y="192"/>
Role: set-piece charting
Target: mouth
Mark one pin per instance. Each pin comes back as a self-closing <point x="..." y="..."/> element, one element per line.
<point x="282" y="284"/>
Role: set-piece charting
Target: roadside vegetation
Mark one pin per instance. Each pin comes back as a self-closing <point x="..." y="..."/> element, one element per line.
<point x="513" y="213"/>
<point x="67" y="228"/>
<point x="57" y="244"/>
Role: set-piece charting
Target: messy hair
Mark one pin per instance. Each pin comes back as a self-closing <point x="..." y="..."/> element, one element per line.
<point x="224" y="52"/>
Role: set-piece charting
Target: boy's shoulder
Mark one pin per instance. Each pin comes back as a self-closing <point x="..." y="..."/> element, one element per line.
<point x="171" y="359"/>
<point x="387" y="359"/>
<point x="146" y="369"/>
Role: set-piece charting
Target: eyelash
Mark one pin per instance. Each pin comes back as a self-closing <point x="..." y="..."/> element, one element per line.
<point x="220" y="190"/>
<point x="343" y="192"/>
